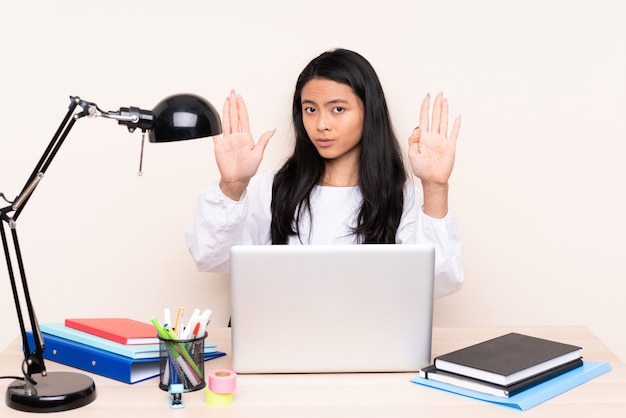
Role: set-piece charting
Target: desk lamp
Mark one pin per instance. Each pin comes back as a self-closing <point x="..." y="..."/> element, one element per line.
<point x="175" y="118"/>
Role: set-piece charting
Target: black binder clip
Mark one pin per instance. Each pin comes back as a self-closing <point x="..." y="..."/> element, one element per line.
<point x="176" y="395"/>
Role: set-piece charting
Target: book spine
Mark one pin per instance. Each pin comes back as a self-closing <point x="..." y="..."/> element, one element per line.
<point x="91" y="359"/>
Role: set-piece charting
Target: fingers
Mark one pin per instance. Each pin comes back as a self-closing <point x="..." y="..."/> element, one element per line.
<point x="435" y="125"/>
<point x="244" y="121"/>
<point x="235" y="115"/>
<point x="443" y="118"/>
<point x="439" y="122"/>
<point x="424" y="113"/>
<point x="456" y="127"/>
<point x="263" y="140"/>
<point x="226" y="130"/>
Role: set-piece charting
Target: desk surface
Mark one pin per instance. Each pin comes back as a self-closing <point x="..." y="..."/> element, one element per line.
<point x="347" y="395"/>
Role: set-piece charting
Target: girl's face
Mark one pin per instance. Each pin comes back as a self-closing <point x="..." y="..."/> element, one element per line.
<point x="333" y="118"/>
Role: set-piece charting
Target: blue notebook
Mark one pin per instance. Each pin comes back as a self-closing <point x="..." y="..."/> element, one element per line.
<point x="533" y="396"/>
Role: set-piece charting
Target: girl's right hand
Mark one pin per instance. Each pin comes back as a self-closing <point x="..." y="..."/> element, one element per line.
<point x="237" y="156"/>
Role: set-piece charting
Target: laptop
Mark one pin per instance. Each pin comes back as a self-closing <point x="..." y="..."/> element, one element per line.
<point x="331" y="308"/>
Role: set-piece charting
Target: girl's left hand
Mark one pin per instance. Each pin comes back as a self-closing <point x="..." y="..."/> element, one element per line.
<point x="431" y="152"/>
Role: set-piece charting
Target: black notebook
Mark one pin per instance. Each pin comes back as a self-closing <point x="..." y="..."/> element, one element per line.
<point x="508" y="359"/>
<point x="431" y="372"/>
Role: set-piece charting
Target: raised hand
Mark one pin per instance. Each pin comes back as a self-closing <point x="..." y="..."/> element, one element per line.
<point x="237" y="156"/>
<point x="431" y="151"/>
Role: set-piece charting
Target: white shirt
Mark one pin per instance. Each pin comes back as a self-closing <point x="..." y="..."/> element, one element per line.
<point x="221" y="223"/>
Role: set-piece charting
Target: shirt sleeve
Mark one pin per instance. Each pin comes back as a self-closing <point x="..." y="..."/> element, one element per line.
<point x="444" y="235"/>
<point x="419" y="228"/>
<point x="219" y="223"/>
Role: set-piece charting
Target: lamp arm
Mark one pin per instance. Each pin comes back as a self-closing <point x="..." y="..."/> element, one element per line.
<point x="131" y="117"/>
<point x="32" y="359"/>
<point x="48" y="155"/>
<point x="9" y="215"/>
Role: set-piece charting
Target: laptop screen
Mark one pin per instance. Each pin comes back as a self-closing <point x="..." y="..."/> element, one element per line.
<point x="337" y="308"/>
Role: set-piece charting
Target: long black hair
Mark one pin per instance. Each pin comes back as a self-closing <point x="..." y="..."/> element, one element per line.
<point x="381" y="169"/>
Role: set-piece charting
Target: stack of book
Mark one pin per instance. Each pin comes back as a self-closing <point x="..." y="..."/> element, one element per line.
<point x="509" y="368"/>
<point x="118" y="348"/>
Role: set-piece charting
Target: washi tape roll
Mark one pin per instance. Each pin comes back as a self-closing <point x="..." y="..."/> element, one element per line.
<point x="222" y="382"/>
<point x="217" y="399"/>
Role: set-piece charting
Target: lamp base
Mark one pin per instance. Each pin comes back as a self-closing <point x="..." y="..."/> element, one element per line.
<point x="57" y="391"/>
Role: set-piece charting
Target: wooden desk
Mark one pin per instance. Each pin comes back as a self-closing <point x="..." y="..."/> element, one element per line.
<point x="348" y="395"/>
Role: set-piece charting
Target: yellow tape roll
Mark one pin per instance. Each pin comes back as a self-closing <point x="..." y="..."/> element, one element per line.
<point x="217" y="399"/>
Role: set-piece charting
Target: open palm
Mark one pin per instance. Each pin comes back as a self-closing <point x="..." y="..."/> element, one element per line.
<point x="431" y="152"/>
<point x="237" y="156"/>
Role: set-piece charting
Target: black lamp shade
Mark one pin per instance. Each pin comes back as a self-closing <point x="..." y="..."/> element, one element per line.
<point x="184" y="116"/>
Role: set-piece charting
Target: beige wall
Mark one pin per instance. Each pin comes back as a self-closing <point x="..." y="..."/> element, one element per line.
<point x="537" y="187"/>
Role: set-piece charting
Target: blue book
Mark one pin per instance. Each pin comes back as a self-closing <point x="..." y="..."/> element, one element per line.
<point x="138" y="351"/>
<point x="102" y="362"/>
<point x="535" y="395"/>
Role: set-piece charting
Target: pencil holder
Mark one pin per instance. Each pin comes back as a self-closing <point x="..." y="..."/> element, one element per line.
<point x="182" y="361"/>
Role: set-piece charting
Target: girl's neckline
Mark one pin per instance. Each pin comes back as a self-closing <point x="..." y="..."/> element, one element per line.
<point x="331" y="186"/>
